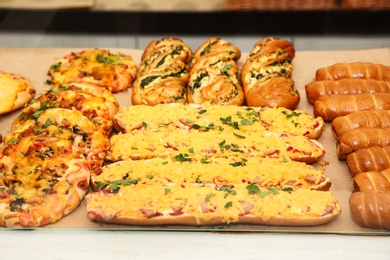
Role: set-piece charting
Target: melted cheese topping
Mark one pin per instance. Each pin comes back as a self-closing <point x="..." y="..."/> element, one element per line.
<point x="13" y="87"/>
<point x="247" y="119"/>
<point x="149" y="144"/>
<point x="205" y="203"/>
<point x="266" y="172"/>
<point x="113" y="71"/>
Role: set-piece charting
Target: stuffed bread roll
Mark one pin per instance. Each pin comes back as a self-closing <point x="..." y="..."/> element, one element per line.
<point x="213" y="76"/>
<point x="163" y="74"/>
<point x="266" y="75"/>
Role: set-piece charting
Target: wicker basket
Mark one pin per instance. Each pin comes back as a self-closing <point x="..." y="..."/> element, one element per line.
<point x="279" y="4"/>
<point x="365" y="4"/>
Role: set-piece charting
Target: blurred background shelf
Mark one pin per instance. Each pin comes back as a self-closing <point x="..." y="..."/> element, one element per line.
<point x="330" y="24"/>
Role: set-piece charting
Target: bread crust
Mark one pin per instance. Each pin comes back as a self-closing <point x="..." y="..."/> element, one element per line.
<point x="371" y="209"/>
<point x="360" y="70"/>
<point x="247" y="219"/>
<point x="360" y="119"/>
<point x="163" y="73"/>
<point x="266" y="74"/>
<point x="16" y="91"/>
<point x="213" y="75"/>
<point x="373" y="158"/>
<point x="331" y="106"/>
<point x="316" y="89"/>
<point x="361" y="138"/>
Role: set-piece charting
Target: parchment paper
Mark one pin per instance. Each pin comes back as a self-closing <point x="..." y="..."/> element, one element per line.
<point x="34" y="64"/>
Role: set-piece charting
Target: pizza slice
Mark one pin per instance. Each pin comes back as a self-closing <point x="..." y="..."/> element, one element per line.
<point x="97" y="104"/>
<point x="43" y="179"/>
<point x="113" y="71"/>
<point x="15" y="92"/>
<point x="68" y="125"/>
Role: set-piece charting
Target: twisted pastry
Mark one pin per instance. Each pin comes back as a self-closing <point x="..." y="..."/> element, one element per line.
<point x="163" y="74"/>
<point x="266" y="75"/>
<point x="213" y="75"/>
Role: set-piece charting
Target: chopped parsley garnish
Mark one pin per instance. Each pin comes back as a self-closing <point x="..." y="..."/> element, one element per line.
<point x="114" y="185"/>
<point x="228" y="121"/>
<point x="204" y="160"/>
<point x="182" y="158"/>
<point x="111" y="59"/>
<point x="239" y="136"/>
<point x="228" y="191"/>
<point x="239" y="163"/>
<point x="228" y="205"/>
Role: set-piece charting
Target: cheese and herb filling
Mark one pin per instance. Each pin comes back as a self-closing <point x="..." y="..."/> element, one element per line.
<point x="150" y="144"/>
<point x="212" y="117"/>
<point x="226" y="204"/>
<point x="266" y="172"/>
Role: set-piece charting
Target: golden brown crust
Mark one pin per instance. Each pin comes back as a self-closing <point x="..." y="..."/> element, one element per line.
<point x="273" y="92"/>
<point x="373" y="181"/>
<point x="113" y="71"/>
<point x="266" y="75"/>
<point x="15" y="92"/>
<point x="213" y="76"/>
<point x="371" y="209"/>
<point x="361" y="70"/>
<point x="163" y="74"/>
<point x="362" y="138"/>
<point x="247" y="219"/>
<point x="374" y="158"/>
<point x="316" y="89"/>
<point x="331" y="106"/>
<point x="360" y="119"/>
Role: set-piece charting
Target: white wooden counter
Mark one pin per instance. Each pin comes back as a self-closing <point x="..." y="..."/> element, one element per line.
<point x="82" y="244"/>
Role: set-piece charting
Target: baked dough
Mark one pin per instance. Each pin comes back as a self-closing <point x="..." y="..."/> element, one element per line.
<point x="15" y="92"/>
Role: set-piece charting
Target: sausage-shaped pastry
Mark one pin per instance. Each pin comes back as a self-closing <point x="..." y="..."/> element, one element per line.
<point x="360" y="119"/>
<point x="373" y="181"/>
<point x="316" y="89"/>
<point x="163" y="74"/>
<point x="360" y="70"/>
<point x="266" y="75"/>
<point x="213" y="75"/>
<point x="370" y="209"/>
<point x="362" y="138"/>
<point x="374" y="158"/>
<point x="331" y="106"/>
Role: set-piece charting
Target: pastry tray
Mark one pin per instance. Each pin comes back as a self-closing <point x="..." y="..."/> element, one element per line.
<point x="34" y="64"/>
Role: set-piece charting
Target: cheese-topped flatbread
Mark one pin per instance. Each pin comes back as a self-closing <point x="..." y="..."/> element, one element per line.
<point x="113" y="71"/>
<point x="15" y="92"/>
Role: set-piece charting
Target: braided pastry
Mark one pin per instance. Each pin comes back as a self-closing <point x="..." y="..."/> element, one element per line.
<point x="266" y="75"/>
<point x="163" y="74"/>
<point x="213" y="76"/>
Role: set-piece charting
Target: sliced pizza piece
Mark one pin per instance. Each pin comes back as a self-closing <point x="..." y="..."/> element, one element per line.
<point x="150" y="144"/>
<point x="113" y="71"/>
<point x="97" y="104"/>
<point x="207" y="117"/>
<point x="175" y="204"/>
<point x="43" y="179"/>
<point x="15" y="92"/>
<point x="68" y="125"/>
<point x="185" y="169"/>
